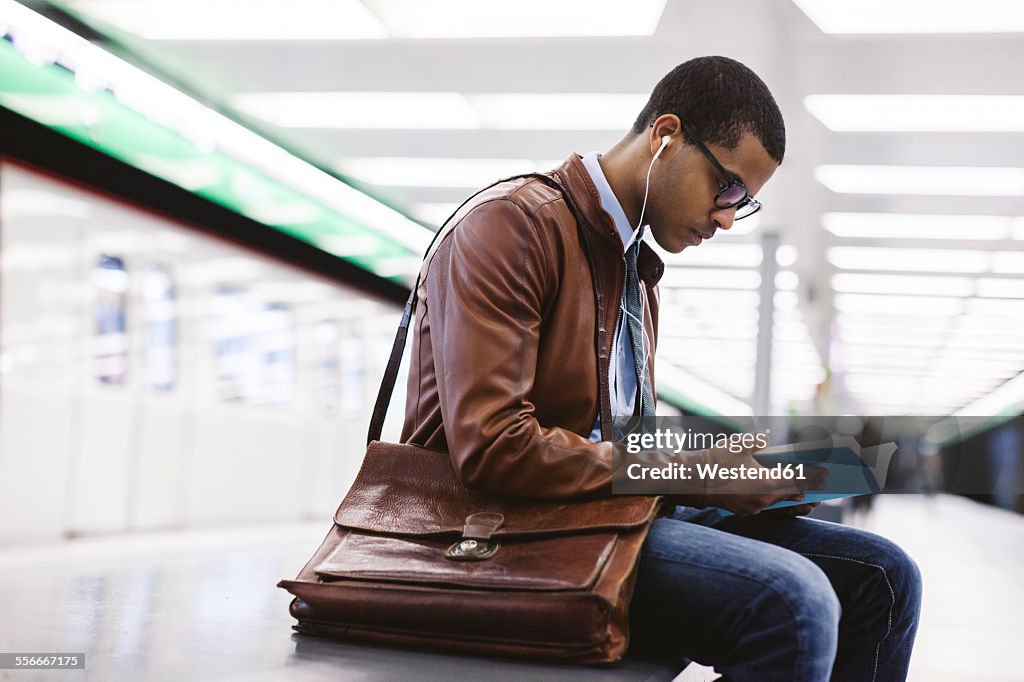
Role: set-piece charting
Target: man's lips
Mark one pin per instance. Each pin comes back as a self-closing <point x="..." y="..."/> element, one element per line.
<point x="698" y="237"/>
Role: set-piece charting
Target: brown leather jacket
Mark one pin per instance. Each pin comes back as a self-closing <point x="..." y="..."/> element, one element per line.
<point x="505" y="359"/>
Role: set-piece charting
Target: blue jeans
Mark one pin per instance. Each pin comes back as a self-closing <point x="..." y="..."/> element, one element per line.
<point x="769" y="598"/>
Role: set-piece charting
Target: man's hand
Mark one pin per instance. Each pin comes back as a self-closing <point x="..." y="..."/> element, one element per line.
<point x="795" y="510"/>
<point x="745" y="497"/>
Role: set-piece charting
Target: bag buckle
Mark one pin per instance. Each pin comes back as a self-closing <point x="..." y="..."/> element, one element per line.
<point x="476" y="544"/>
<point x="471" y="550"/>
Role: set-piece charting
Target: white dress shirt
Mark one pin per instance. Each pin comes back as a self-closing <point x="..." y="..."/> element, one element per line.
<point x="622" y="369"/>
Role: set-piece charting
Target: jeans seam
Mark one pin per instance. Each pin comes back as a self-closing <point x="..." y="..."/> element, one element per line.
<point x="781" y="593"/>
<point x="892" y="604"/>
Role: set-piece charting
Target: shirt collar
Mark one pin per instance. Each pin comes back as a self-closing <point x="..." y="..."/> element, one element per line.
<point x="609" y="202"/>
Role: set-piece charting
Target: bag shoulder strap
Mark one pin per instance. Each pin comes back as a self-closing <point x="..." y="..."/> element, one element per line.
<point x="387" y="386"/>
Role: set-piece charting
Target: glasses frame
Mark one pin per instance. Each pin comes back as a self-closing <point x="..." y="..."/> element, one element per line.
<point x="732" y="181"/>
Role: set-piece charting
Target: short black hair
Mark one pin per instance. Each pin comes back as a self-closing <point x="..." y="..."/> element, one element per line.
<point x="719" y="99"/>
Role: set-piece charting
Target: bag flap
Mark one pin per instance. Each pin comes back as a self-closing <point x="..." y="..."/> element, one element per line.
<point x="409" y="490"/>
<point x="526" y="563"/>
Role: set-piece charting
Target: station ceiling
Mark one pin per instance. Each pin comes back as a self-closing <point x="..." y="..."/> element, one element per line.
<point x="899" y="208"/>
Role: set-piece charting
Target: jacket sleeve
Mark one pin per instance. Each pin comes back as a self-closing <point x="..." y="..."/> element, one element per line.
<point x="485" y="291"/>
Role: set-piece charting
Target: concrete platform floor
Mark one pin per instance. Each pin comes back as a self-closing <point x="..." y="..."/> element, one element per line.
<point x="201" y="605"/>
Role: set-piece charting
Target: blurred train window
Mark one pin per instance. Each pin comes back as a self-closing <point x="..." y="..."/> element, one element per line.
<point x="110" y="281"/>
<point x="277" y="348"/>
<point x="328" y="366"/>
<point x="255" y="349"/>
<point x="158" y="309"/>
<point x="353" y="373"/>
<point x="230" y="341"/>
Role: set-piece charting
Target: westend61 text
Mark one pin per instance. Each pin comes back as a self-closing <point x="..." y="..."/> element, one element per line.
<point x="717" y="472"/>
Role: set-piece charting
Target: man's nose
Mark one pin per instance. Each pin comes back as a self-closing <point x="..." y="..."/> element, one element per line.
<point x="724" y="217"/>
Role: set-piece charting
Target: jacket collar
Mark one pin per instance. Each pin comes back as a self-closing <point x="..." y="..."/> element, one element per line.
<point x="577" y="182"/>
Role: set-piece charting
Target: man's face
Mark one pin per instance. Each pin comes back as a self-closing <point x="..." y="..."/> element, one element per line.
<point x="683" y="211"/>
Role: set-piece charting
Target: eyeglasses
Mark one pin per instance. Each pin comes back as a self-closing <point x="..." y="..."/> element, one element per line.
<point x="734" y="194"/>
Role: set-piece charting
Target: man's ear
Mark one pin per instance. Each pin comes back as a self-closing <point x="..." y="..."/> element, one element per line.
<point x="666" y="125"/>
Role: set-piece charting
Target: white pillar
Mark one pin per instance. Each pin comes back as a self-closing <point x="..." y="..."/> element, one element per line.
<point x="762" y="399"/>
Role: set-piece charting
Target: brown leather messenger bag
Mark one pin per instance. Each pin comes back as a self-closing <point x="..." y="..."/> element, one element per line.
<point x="416" y="559"/>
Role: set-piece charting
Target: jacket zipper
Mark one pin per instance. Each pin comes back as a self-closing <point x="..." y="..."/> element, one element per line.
<point x="612" y="353"/>
<point x="599" y="418"/>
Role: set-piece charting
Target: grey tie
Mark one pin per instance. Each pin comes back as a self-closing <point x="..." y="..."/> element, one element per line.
<point x="635" y="306"/>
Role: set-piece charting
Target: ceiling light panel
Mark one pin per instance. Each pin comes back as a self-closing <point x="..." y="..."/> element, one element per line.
<point x="988" y="324"/>
<point x="786" y="301"/>
<point x="442" y="110"/>
<point x="790" y="330"/>
<point x="917" y="226"/>
<point x="862" y="357"/>
<point x="1018" y="229"/>
<point x="885" y="384"/>
<point x="725" y="255"/>
<point x="991" y="342"/>
<point x="914" y="16"/>
<point x="997" y="307"/>
<point x="926" y="357"/>
<point x="963" y="385"/>
<point x="925" y="305"/>
<point x="361" y="110"/>
<point x="1008" y="263"/>
<point x="922" y="180"/>
<point x="453" y="19"/>
<point x="887" y="387"/>
<point x="1000" y="288"/>
<point x="980" y="352"/>
<point x="951" y="366"/>
<point x="787" y="255"/>
<point x="795" y="358"/>
<point x="433" y="172"/>
<point x="373" y="19"/>
<point x="908" y="403"/>
<point x="919" y="113"/>
<point x="787" y="280"/>
<point x="853" y="335"/>
<point x="750" y="224"/>
<point x="902" y="284"/>
<point x="721" y="353"/>
<point x="709" y="329"/>
<point x="237" y="19"/>
<point x="709" y="301"/>
<point x="995" y="366"/>
<point x="710" y="278"/>
<point x="881" y="323"/>
<point x="917" y="260"/>
<point x="558" y="112"/>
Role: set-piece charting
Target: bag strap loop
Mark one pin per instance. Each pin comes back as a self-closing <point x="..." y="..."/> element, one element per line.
<point x="482" y="525"/>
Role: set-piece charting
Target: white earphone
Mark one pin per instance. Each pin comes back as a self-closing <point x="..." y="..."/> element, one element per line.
<point x="644" y="342"/>
<point x="665" y="139"/>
